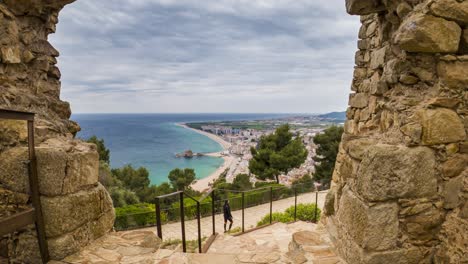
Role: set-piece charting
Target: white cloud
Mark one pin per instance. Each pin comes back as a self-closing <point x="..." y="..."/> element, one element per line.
<point x="206" y="56"/>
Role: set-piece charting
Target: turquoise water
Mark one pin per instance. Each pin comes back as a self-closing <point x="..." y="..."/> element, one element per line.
<point x="152" y="140"/>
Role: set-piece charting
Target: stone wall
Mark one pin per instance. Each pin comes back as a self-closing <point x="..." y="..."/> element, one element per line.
<point x="77" y="209"/>
<point x="400" y="186"/>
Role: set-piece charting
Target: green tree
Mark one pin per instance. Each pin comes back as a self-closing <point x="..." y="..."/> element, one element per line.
<point x="136" y="180"/>
<point x="276" y="154"/>
<point x="181" y="179"/>
<point x="104" y="153"/>
<point x="242" y="182"/>
<point x="327" y="150"/>
<point x="304" y="184"/>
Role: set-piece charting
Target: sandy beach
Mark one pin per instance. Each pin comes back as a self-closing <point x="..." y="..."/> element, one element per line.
<point x="203" y="184"/>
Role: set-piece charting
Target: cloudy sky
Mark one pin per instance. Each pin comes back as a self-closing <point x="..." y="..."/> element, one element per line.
<point x="281" y="56"/>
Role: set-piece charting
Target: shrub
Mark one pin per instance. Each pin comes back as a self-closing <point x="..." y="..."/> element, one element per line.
<point x="305" y="212"/>
<point x="138" y="215"/>
<point x="276" y="217"/>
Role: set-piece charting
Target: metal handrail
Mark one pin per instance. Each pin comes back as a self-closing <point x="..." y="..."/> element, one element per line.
<point x="33" y="215"/>
<point x="211" y="193"/>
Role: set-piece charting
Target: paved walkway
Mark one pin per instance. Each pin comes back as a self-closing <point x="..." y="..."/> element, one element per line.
<point x="296" y="243"/>
<point x="252" y="216"/>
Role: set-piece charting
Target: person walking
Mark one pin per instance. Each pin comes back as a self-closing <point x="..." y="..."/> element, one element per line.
<point x="227" y="215"/>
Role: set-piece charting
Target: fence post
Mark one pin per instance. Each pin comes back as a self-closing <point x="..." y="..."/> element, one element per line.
<point x="271" y="205"/>
<point x="158" y="218"/>
<point x="35" y="196"/>
<point x="316" y="206"/>
<point x="243" y="195"/>
<point x="199" y="228"/>
<point x="182" y="221"/>
<point x="213" y="211"/>
<point x="295" y="205"/>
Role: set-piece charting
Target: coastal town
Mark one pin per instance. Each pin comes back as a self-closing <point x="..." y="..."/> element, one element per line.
<point x="237" y="138"/>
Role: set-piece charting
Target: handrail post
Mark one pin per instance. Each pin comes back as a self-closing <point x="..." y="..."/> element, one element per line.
<point x="182" y="221"/>
<point x="271" y="205"/>
<point x="158" y="218"/>
<point x="316" y="206"/>
<point x="213" y="211"/>
<point x="243" y="197"/>
<point x="35" y="196"/>
<point x="295" y="204"/>
<point x="199" y="228"/>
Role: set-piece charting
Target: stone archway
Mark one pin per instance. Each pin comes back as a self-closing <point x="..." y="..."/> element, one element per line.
<point x="77" y="209"/>
<point x="399" y="190"/>
<point x="400" y="182"/>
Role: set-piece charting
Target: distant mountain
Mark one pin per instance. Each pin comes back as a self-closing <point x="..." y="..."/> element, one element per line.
<point x="338" y="116"/>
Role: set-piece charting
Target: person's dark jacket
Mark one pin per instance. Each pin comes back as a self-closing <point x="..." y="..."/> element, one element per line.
<point x="227" y="212"/>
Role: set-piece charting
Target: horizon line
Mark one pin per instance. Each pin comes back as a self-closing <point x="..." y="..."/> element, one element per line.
<point x="224" y="113"/>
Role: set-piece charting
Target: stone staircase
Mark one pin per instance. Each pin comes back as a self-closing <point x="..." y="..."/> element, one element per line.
<point x="294" y="243"/>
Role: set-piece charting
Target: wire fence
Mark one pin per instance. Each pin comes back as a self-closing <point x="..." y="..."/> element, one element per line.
<point x="183" y="220"/>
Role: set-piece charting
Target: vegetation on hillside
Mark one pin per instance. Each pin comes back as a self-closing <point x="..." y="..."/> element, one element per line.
<point x="327" y="150"/>
<point x="131" y="186"/>
<point x="277" y="154"/>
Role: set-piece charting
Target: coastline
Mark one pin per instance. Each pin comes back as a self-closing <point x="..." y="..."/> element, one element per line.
<point x="203" y="184"/>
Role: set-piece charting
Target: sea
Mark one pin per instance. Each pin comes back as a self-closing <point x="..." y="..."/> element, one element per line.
<point x="153" y="140"/>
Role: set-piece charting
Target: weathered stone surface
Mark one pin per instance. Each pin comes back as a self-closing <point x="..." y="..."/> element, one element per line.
<point x="329" y="207"/>
<point x="67" y="213"/>
<point x="358" y="147"/>
<point x="446" y="102"/>
<point x="453" y="74"/>
<point x="412" y="130"/>
<point x="440" y="126"/>
<point x="402" y="256"/>
<point x="425" y="33"/>
<point x="11" y="55"/>
<point x="453" y="235"/>
<point x="391" y="172"/>
<point x="452" y="192"/>
<point x="14" y="170"/>
<point x="455" y="165"/>
<point x="371" y="227"/>
<point x="378" y="58"/>
<point x="363" y="7"/>
<point x="65" y="245"/>
<point x="451" y="10"/>
<point x="358" y="100"/>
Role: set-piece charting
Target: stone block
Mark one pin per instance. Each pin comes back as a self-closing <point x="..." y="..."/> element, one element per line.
<point x="378" y="58"/>
<point x="452" y="192"/>
<point x="441" y="126"/>
<point x="11" y="55"/>
<point x="358" y="147"/>
<point x="400" y="256"/>
<point x="446" y="102"/>
<point x="453" y="74"/>
<point x="63" y="214"/>
<point x="371" y="227"/>
<point x="359" y="100"/>
<point x="14" y="169"/>
<point x="43" y="47"/>
<point x="426" y="33"/>
<point x="363" y="7"/>
<point x="453" y="237"/>
<point x="451" y="10"/>
<point x="62" y="172"/>
<point x="391" y="172"/>
<point x="455" y="165"/>
<point x="67" y="244"/>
